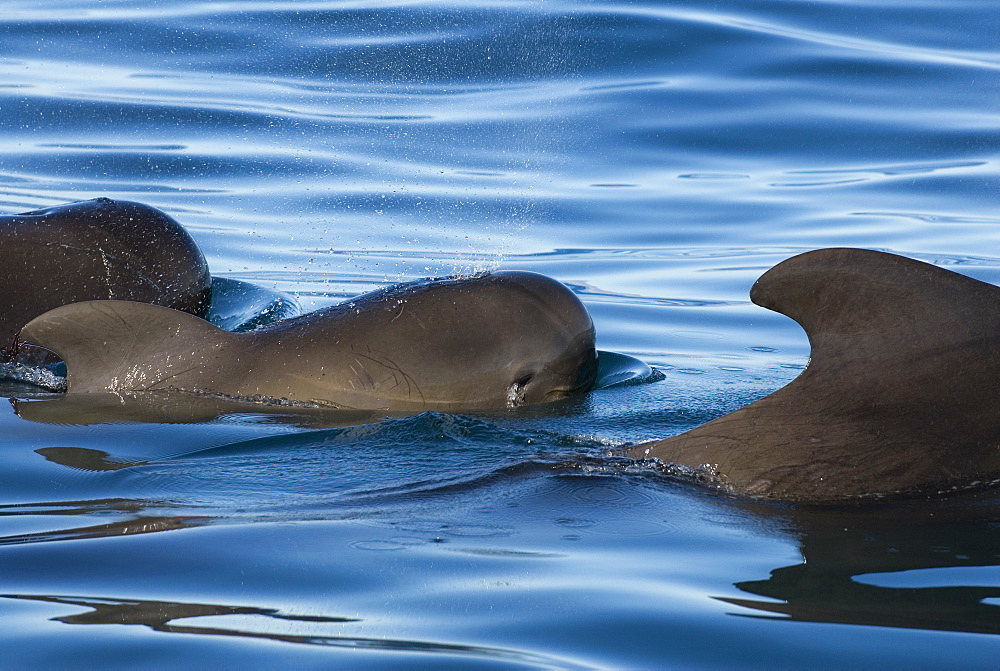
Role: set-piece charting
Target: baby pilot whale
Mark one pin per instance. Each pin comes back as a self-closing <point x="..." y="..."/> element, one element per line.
<point x="496" y="340"/>
<point x="96" y="249"/>
<point x="900" y="393"/>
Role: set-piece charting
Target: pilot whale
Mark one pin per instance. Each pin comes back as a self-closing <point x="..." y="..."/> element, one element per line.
<point x="900" y="393"/>
<point x="495" y="340"/>
<point x="96" y="249"/>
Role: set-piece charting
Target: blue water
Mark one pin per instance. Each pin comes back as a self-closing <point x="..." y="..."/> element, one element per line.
<point x="654" y="156"/>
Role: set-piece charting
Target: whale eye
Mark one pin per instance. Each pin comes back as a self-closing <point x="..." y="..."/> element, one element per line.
<point x="515" y="393"/>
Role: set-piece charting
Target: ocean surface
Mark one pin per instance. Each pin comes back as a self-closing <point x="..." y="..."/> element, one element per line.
<point x="656" y="157"/>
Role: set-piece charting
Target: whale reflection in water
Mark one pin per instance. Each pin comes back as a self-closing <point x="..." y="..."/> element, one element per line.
<point x="163" y="616"/>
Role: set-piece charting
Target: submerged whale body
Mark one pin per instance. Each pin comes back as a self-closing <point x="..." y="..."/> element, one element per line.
<point x="900" y="393"/>
<point x="491" y="341"/>
<point x="96" y="249"/>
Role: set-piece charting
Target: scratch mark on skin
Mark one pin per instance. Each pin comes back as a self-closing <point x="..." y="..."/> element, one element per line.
<point x="362" y="374"/>
<point x="160" y="381"/>
<point x="107" y="259"/>
<point x="357" y="374"/>
<point x="397" y="374"/>
<point x="123" y="354"/>
<point x="107" y="273"/>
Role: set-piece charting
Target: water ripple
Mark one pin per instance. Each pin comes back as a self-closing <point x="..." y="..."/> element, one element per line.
<point x="882" y="48"/>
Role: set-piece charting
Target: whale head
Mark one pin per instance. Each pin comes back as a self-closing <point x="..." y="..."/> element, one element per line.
<point x="558" y="358"/>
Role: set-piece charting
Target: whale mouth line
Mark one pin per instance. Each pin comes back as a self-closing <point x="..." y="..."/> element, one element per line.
<point x="566" y="391"/>
<point x="515" y="392"/>
<point x="560" y="394"/>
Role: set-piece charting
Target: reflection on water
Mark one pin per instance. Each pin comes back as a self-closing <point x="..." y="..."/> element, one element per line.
<point x="162" y="616"/>
<point x="173" y="406"/>
<point x="139" y="525"/>
<point x="137" y="522"/>
<point x="86" y="459"/>
<point x="839" y="546"/>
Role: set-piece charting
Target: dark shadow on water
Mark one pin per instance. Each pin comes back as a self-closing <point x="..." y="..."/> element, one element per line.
<point x="140" y="520"/>
<point x="162" y="616"/>
<point x="847" y="550"/>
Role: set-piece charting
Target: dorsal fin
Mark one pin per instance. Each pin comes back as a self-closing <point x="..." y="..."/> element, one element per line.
<point x="124" y="345"/>
<point x="860" y="307"/>
<point x="900" y="392"/>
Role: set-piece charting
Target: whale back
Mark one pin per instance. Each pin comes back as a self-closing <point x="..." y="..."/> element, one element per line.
<point x="97" y="249"/>
<point x="495" y="340"/>
<point x="900" y="391"/>
<point x="486" y="342"/>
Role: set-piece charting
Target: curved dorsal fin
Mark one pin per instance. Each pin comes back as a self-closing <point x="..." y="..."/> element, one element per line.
<point x="900" y="391"/>
<point x="860" y="307"/>
<point x="124" y="345"/>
